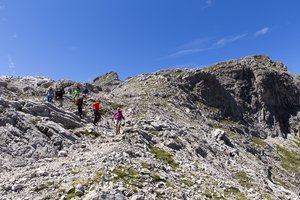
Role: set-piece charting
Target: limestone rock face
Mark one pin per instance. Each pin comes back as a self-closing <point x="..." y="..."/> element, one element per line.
<point x="267" y="95"/>
<point x="31" y="131"/>
<point x="228" y="131"/>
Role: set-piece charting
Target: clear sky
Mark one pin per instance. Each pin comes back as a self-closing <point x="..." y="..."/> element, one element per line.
<point x="82" y="39"/>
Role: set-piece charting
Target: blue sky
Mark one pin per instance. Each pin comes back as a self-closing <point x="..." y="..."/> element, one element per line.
<point x="82" y="39"/>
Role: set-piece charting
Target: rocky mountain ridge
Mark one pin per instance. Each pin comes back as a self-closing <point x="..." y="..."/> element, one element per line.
<point x="228" y="131"/>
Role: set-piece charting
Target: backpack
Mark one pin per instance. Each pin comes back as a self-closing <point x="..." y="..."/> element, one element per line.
<point x="59" y="93"/>
<point x="78" y="101"/>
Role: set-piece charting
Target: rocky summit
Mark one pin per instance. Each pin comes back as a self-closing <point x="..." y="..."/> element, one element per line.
<point x="228" y="131"/>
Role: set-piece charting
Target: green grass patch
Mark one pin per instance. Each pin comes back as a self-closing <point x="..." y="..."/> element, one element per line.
<point x="289" y="160"/>
<point x="89" y="133"/>
<point x="168" y="184"/>
<point x="217" y="197"/>
<point x="258" y="141"/>
<point x="156" y="177"/>
<point x="98" y="176"/>
<point x="217" y="126"/>
<point x="74" y="172"/>
<point x="187" y="182"/>
<point x="266" y="197"/>
<point x="278" y="181"/>
<point x="297" y="143"/>
<point x="227" y="122"/>
<point x="207" y="194"/>
<point x="43" y="186"/>
<point x="84" y="182"/>
<point x="159" y="195"/>
<point x="71" y="195"/>
<point x="115" y="105"/>
<point x="120" y="173"/>
<point x="243" y="179"/>
<point x="134" y="190"/>
<point x="145" y="165"/>
<point x="132" y="172"/>
<point x="61" y="190"/>
<point x="128" y="176"/>
<point x="164" y="156"/>
<point x="235" y="192"/>
<point x="155" y="133"/>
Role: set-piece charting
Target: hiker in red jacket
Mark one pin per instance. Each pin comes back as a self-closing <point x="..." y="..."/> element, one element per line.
<point x="117" y="117"/>
<point x="96" y="109"/>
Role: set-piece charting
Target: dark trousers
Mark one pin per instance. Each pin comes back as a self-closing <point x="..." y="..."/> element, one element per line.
<point x="96" y="116"/>
<point x="79" y="107"/>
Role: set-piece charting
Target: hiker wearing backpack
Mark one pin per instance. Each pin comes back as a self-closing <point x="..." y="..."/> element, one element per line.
<point x="59" y="93"/>
<point x="118" y="117"/>
<point x="79" y="103"/>
<point x="96" y="109"/>
<point x="50" y="94"/>
<point x="76" y="94"/>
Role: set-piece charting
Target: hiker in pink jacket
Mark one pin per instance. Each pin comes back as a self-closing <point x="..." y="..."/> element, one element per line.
<point x="117" y="117"/>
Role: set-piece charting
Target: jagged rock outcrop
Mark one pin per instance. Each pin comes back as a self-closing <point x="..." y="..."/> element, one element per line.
<point x="267" y="95"/>
<point x="107" y="81"/>
<point x="30" y="131"/>
<point x="253" y="90"/>
<point x="229" y="131"/>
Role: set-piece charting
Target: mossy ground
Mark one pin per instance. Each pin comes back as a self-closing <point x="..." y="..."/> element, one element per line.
<point x="89" y="133"/>
<point x="98" y="176"/>
<point x="82" y="181"/>
<point x="71" y="195"/>
<point x="258" y="141"/>
<point x="44" y="186"/>
<point x="156" y="177"/>
<point x="164" y="156"/>
<point x="145" y="165"/>
<point x="128" y="176"/>
<point x="187" y="182"/>
<point x="74" y="172"/>
<point x="243" y="179"/>
<point x="266" y="197"/>
<point x="115" y="105"/>
<point x="289" y="160"/>
<point x="297" y="142"/>
<point x="155" y="133"/>
<point x="235" y="193"/>
<point x="278" y="181"/>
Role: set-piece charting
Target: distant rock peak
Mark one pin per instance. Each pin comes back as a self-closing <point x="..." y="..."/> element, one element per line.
<point x="110" y="76"/>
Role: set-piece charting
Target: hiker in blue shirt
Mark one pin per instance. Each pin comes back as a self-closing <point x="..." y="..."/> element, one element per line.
<point x="50" y="94"/>
<point x="85" y="90"/>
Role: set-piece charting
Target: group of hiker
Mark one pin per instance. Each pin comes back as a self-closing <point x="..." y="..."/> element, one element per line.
<point x="57" y="94"/>
<point x="78" y="96"/>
